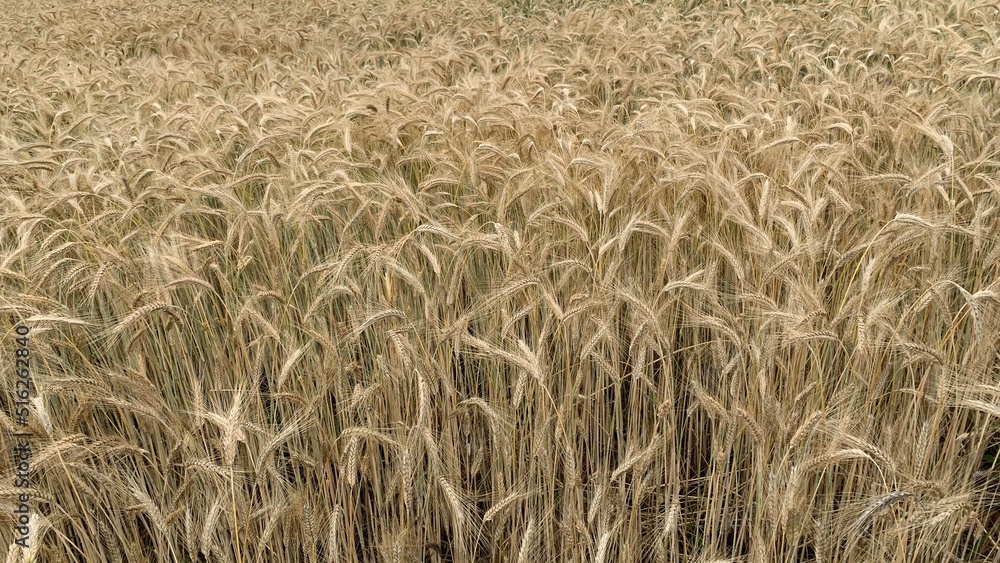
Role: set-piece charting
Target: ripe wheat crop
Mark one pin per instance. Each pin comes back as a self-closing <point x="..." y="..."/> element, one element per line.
<point x="462" y="281"/>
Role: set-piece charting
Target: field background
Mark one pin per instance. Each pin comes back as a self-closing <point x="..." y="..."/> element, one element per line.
<point x="538" y="281"/>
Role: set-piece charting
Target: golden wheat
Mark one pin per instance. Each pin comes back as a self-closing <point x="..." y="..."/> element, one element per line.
<point x="564" y="280"/>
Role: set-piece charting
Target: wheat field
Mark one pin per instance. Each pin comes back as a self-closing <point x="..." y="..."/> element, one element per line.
<point x="524" y="281"/>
